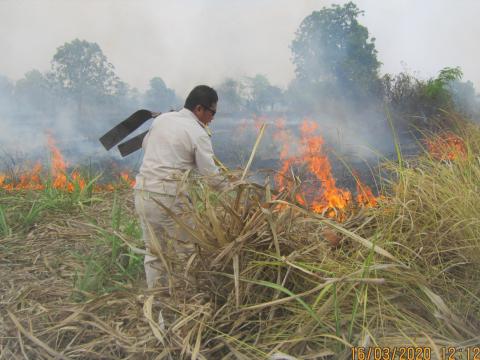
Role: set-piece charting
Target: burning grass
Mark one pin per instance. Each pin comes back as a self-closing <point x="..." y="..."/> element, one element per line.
<point x="273" y="277"/>
<point x="319" y="191"/>
<point x="58" y="178"/>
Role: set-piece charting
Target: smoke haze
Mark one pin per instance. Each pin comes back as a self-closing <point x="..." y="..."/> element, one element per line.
<point x="191" y="42"/>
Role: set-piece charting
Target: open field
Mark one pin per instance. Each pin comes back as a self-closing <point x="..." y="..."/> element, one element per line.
<point x="274" y="277"/>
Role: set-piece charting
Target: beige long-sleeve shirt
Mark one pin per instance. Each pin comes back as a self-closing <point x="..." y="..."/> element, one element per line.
<point x="176" y="142"/>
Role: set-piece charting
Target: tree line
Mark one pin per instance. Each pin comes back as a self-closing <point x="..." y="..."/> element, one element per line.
<point x="336" y="66"/>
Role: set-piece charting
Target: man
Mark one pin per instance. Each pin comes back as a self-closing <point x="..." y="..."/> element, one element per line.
<point x="177" y="142"/>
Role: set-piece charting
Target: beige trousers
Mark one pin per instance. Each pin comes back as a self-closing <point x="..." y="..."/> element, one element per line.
<point x="166" y="241"/>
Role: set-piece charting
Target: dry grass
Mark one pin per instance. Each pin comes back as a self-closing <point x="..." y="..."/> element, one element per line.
<point x="273" y="278"/>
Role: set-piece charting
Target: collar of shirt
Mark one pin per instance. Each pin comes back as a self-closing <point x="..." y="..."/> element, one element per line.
<point x="187" y="112"/>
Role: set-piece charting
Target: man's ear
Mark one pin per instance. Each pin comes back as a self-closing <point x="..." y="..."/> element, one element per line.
<point x="197" y="108"/>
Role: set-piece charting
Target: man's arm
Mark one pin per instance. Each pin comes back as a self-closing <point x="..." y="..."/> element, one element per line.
<point x="205" y="163"/>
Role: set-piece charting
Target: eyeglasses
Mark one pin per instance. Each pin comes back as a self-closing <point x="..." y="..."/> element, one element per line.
<point x="209" y="109"/>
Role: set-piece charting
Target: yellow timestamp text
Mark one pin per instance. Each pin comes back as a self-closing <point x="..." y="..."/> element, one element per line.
<point x="414" y="353"/>
<point x="391" y="353"/>
<point x="455" y="353"/>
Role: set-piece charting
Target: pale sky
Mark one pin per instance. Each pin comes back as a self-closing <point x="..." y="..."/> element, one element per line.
<point x="187" y="42"/>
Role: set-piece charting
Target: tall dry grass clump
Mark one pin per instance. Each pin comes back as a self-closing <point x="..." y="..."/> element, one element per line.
<point x="274" y="280"/>
<point x="403" y="273"/>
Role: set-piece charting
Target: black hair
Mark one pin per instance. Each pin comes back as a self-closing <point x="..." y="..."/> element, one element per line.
<point x="201" y="95"/>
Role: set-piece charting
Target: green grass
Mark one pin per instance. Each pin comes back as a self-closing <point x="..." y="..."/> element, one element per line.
<point x="5" y="229"/>
<point x="405" y="273"/>
<point x="111" y="263"/>
<point x="105" y="263"/>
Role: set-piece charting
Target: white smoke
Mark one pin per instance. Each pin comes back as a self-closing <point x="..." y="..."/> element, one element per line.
<point x="189" y="42"/>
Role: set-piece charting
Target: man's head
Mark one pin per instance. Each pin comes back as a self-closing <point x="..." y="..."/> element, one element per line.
<point x="202" y="101"/>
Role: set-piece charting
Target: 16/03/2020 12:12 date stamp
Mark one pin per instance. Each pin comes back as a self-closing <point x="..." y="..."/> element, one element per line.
<point x="415" y="353"/>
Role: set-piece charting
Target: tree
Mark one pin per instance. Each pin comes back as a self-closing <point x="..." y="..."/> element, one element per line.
<point x="159" y="97"/>
<point x="263" y="95"/>
<point x="6" y="95"/>
<point x="34" y="92"/>
<point x="437" y="89"/>
<point x="422" y="103"/>
<point x="301" y="96"/>
<point x="332" y="47"/>
<point x="465" y="97"/>
<point x="82" y="72"/>
<point x="230" y="96"/>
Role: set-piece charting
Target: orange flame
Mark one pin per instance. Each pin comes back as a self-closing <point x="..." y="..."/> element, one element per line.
<point x="125" y="177"/>
<point x="325" y="198"/>
<point x="447" y="146"/>
<point x="58" y="170"/>
<point x="27" y="180"/>
<point x="365" y="195"/>
<point x="32" y="180"/>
